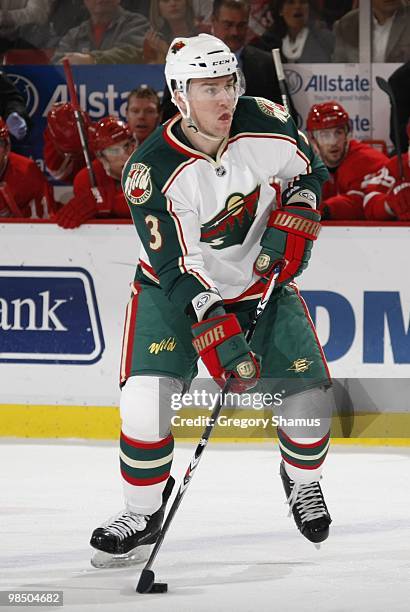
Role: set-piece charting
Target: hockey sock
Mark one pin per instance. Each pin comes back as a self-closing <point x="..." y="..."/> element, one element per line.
<point x="145" y="468"/>
<point x="303" y="457"/>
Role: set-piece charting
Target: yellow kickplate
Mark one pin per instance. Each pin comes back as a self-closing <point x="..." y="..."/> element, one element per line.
<point x="103" y="423"/>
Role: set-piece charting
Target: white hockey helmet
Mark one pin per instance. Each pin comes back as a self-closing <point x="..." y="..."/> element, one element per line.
<point x="199" y="57"/>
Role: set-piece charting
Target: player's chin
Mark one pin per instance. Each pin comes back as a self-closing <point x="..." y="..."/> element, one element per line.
<point x="223" y="126"/>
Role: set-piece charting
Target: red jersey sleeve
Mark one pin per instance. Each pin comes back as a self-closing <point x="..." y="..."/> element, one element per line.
<point x="345" y="200"/>
<point x="378" y="185"/>
<point x="61" y="166"/>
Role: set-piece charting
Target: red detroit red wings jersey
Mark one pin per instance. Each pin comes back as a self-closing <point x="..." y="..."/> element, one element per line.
<point x="114" y="202"/>
<point x="376" y="186"/>
<point x="24" y="184"/>
<point x="361" y="159"/>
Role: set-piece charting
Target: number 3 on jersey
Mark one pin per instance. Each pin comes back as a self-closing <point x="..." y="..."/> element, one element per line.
<point x="153" y="226"/>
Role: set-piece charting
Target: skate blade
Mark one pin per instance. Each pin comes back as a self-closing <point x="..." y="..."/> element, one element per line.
<point x="103" y="560"/>
<point x="317" y="546"/>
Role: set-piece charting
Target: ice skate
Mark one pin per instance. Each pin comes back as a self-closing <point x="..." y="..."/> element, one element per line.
<point x="104" y="560"/>
<point x="125" y="538"/>
<point x="308" y="507"/>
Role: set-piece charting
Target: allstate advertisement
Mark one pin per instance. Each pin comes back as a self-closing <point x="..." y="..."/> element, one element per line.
<point x="353" y="85"/>
<point x="101" y="91"/>
<point x="62" y="316"/>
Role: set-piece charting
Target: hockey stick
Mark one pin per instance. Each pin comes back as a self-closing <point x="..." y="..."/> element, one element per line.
<point x="386" y="87"/>
<point x="81" y="130"/>
<point x="146" y="583"/>
<point x="281" y="77"/>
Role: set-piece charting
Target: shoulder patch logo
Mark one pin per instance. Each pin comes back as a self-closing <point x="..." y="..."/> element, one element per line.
<point x="272" y="109"/>
<point x="138" y="184"/>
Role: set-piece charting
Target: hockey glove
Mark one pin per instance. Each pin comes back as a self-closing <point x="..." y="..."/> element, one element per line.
<point x="220" y="343"/>
<point x="76" y="212"/>
<point x="17" y="125"/>
<point x="399" y="201"/>
<point x="288" y="238"/>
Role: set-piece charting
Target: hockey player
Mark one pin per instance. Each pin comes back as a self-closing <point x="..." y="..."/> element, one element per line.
<point x="24" y="190"/>
<point x="63" y="153"/>
<point x="387" y="194"/>
<point x="199" y="194"/>
<point x="112" y="143"/>
<point x="142" y="112"/>
<point x="347" y="160"/>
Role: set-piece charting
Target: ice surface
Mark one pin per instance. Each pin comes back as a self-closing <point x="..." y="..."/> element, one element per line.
<point x="231" y="546"/>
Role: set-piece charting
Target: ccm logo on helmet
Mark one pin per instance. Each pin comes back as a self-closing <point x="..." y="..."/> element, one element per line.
<point x="221" y="62"/>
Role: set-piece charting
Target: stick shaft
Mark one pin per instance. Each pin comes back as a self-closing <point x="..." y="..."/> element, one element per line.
<point x="81" y="129"/>
<point x="212" y="422"/>
<point x="386" y="87"/>
<point x="281" y="77"/>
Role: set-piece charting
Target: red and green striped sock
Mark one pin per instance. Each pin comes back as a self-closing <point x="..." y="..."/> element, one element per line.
<point x="306" y="456"/>
<point x="145" y="463"/>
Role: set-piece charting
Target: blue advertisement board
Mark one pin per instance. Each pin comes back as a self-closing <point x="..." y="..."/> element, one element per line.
<point x="101" y="90"/>
<point x="49" y="315"/>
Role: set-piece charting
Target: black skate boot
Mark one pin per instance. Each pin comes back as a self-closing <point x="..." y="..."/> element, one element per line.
<point x="308" y="507"/>
<point x="127" y="531"/>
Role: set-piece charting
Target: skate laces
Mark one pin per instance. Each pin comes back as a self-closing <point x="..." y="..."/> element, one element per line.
<point x="308" y="500"/>
<point x="125" y="524"/>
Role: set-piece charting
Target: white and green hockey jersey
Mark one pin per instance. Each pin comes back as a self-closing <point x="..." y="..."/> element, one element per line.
<point x="200" y="220"/>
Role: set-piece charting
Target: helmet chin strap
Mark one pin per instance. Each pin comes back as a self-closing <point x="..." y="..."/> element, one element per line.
<point x="191" y="123"/>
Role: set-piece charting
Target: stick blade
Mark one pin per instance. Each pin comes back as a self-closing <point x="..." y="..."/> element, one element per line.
<point x="383" y="84"/>
<point x="146" y="581"/>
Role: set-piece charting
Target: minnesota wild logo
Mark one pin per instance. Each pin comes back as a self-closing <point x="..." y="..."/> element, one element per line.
<point x="231" y="225"/>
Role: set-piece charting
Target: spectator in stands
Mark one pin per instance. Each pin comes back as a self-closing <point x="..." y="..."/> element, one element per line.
<point x="112" y="143"/>
<point x="136" y="6"/>
<point x="104" y="36"/>
<point x="24" y="191"/>
<point x="260" y="19"/>
<point x="63" y="154"/>
<point x="330" y="11"/>
<point x="400" y="84"/>
<point x="19" y="20"/>
<point x="13" y="108"/>
<point x="203" y="13"/>
<point x="347" y="160"/>
<point x="169" y="19"/>
<point x="387" y="192"/>
<point x="295" y="26"/>
<point x="65" y="14"/>
<point x="143" y="112"/>
<point x="391" y="33"/>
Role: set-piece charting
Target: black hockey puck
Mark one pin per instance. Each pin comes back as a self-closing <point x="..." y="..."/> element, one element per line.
<point x="159" y="587"/>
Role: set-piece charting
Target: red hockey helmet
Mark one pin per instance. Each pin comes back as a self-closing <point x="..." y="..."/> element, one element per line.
<point x="107" y="132"/>
<point x="4" y="131"/>
<point x="326" y="115"/>
<point x="63" y="129"/>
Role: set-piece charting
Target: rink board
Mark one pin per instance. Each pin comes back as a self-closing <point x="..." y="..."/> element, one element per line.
<point x="62" y="302"/>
